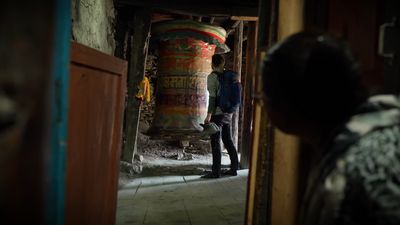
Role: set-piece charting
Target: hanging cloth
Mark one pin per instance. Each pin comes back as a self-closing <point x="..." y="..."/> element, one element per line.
<point x="144" y="90"/>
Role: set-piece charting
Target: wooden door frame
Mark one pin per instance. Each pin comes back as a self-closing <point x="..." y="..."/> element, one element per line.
<point x="275" y="155"/>
<point x="55" y="214"/>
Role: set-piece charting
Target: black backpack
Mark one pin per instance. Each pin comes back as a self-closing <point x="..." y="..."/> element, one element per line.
<point x="229" y="91"/>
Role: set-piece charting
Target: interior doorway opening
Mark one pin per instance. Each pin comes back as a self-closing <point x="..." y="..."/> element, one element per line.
<point x="161" y="182"/>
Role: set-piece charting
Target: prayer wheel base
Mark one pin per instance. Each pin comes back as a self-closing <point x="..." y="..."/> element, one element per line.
<point x="174" y="135"/>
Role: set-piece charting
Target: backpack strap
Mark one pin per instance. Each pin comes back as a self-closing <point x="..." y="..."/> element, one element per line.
<point x="218" y="73"/>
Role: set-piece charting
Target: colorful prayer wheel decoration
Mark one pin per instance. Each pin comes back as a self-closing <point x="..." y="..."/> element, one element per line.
<point x="185" y="49"/>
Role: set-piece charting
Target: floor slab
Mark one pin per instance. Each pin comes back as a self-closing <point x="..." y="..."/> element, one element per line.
<point x="191" y="200"/>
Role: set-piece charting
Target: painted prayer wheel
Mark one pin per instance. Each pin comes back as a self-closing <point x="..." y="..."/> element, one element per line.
<point x="185" y="50"/>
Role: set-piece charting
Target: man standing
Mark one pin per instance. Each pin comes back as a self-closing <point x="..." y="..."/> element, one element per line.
<point x="313" y="90"/>
<point x="222" y="120"/>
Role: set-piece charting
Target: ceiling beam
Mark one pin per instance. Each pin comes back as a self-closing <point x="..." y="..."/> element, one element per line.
<point x="245" y="18"/>
<point x="179" y="12"/>
<point x="199" y="8"/>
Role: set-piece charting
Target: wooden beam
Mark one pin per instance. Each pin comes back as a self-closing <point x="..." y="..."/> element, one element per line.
<point x="157" y="17"/>
<point x="230" y="26"/>
<point x="82" y="55"/>
<point x="229" y="32"/>
<point x="290" y="17"/>
<point x="205" y="8"/>
<point x="247" y="106"/>
<point x="237" y="67"/>
<point x="286" y="149"/>
<point x="245" y="18"/>
<point x="56" y="170"/>
<point x="183" y="13"/>
<point x="137" y="64"/>
<point x="273" y="200"/>
<point x="123" y="15"/>
<point x="236" y="23"/>
<point x="260" y="173"/>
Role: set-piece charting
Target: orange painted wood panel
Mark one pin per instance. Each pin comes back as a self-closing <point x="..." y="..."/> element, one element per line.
<point x="96" y="99"/>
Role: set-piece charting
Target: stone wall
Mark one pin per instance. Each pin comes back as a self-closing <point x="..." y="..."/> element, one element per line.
<point x="93" y="24"/>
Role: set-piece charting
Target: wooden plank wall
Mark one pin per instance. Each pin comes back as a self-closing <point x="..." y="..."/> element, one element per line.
<point x="358" y="21"/>
<point x="96" y="104"/>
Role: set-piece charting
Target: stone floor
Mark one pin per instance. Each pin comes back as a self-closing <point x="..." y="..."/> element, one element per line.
<point x="187" y="200"/>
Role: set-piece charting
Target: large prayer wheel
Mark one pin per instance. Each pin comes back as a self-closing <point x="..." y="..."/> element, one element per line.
<point x="185" y="51"/>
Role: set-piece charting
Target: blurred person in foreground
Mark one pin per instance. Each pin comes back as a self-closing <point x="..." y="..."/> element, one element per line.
<point x="313" y="90"/>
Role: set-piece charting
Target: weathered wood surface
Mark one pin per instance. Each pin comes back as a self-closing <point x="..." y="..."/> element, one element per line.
<point x="247" y="85"/>
<point x="251" y="130"/>
<point x="286" y="148"/>
<point x="245" y="18"/>
<point x="96" y="102"/>
<point x="237" y="67"/>
<point x="358" y="23"/>
<point x="199" y="8"/>
<point x="261" y="170"/>
<point x="137" y="62"/>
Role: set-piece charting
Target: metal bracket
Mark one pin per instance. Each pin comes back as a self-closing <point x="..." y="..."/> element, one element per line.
<point x="382" y="34"/>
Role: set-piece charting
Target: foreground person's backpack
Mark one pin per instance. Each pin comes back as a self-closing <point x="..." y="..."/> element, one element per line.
<point x="229" y="91"/>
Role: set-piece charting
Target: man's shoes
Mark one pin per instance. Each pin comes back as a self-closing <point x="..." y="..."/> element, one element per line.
<point x="210" y="175"/>
<point x="229" y="173"/>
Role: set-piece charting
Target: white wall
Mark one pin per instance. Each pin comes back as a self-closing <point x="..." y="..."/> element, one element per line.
<point x="92" y="24"/>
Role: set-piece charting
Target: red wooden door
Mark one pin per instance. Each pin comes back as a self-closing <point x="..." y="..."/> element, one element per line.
<point x="96" y="102"/>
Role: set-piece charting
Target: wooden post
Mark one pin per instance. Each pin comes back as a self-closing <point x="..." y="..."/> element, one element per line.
<point x="273" y="182"/>
<point x="260" y="173"/>
<point x="237" y="67"/>
<point x="286" y="149"/>
<point x="59" y="125"/>
<point x="247" y="106"/>
<point x="137" y="63"/>
<point x="124" y="15"/>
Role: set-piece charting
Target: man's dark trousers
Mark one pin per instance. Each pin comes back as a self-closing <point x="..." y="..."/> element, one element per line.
<point x="224" y="123"/>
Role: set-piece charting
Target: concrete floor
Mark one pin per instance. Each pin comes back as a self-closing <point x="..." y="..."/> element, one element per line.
<point x="187" y="200"/>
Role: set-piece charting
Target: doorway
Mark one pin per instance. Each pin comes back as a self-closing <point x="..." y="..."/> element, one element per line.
<point x="162" y="185"/>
